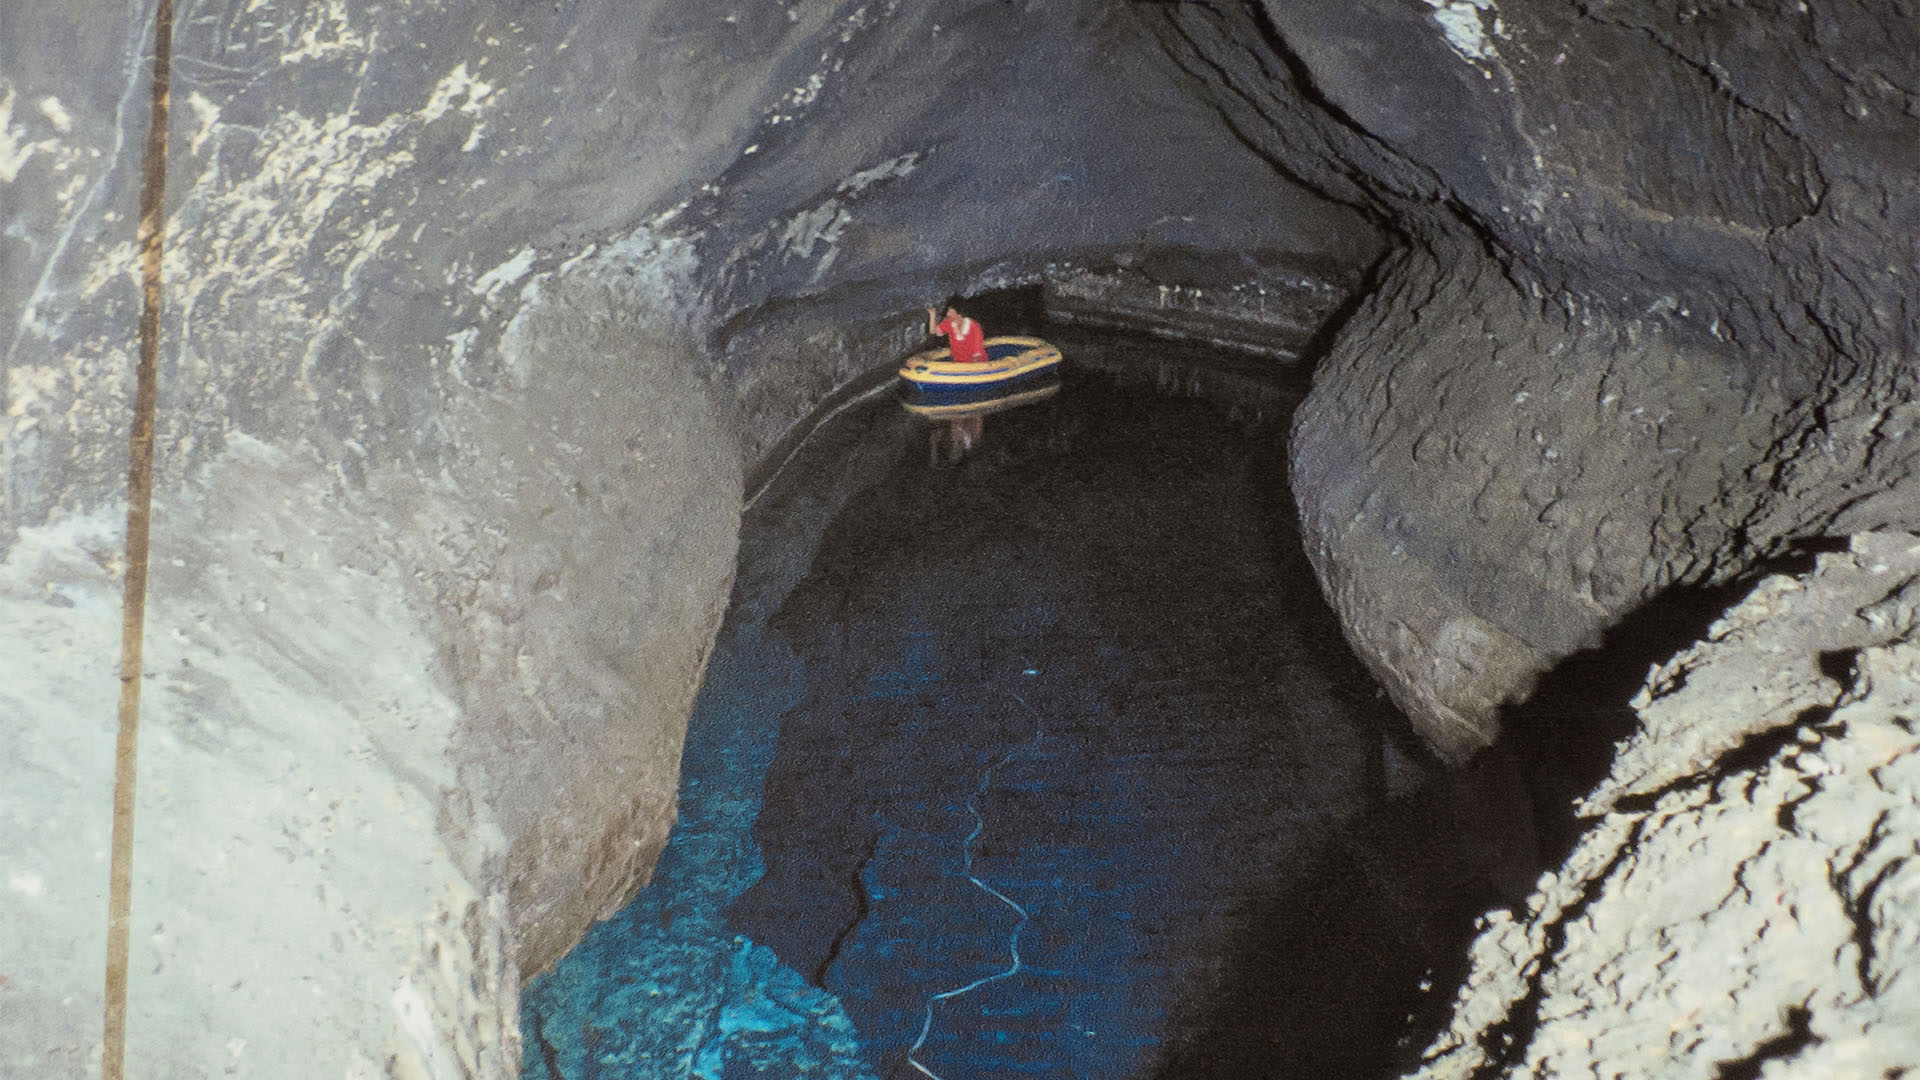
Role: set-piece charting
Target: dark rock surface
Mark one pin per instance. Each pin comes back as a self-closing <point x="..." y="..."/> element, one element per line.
<point x="1658" y="323"/>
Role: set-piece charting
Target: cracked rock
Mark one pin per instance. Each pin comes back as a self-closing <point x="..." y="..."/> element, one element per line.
<point x="1739" y="905"/>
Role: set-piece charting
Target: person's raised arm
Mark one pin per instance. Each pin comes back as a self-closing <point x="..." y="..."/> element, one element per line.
<point x="933" y="327"/>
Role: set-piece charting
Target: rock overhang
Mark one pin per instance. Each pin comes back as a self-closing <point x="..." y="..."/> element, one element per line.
<point x="1687" y="213"/>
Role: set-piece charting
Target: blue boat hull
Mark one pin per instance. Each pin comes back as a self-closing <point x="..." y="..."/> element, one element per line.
<point x="1015" y="365"/>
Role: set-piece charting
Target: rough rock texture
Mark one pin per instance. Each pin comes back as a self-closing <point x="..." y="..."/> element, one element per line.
<point x="1742" y="902"/>
<point x="493" y="308"/>
<point x="451" y="439"/>
<point x="294" y="770"/>
<point x="970" y="147"/>
<point x="1633" y="344"/>
<point x="345" y="683"/>
<point x="666" y="987"/>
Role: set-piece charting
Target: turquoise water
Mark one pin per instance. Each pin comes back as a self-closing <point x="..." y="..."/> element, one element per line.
<point x="665" y="988"/>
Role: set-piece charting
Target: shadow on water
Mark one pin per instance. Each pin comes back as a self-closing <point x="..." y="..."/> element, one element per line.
<point x="1555" y="747"/>
<point x="1327" y="970"/>
<point x="1348" y="967"/>
<point x="1343" y="964"/>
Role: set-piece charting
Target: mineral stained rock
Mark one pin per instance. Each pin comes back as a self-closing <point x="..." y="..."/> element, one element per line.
<point x="1742" y="903"/>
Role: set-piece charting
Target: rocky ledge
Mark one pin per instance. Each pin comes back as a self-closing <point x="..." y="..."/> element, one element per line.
<point x="1739" y="904"/>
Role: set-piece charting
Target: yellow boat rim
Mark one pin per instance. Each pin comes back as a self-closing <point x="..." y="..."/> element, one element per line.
<point x="1007" y="358"/>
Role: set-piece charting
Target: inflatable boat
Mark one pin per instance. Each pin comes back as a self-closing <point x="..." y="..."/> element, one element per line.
<point x="1013" y="365"/>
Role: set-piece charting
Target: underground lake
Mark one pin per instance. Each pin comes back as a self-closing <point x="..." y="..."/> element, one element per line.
<point x="1042" y="758"/>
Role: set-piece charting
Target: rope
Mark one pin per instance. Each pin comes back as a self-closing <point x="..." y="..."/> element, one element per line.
<point x="153" y="208"/>
<point x="966" y="867"/>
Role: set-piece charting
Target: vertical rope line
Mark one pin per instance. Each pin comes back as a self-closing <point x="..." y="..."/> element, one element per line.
<point x="153" y="212"/>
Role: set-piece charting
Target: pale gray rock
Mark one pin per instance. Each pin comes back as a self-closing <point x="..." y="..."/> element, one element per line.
<point x="1654" y="324"/>
<point x="1742" y="901"/>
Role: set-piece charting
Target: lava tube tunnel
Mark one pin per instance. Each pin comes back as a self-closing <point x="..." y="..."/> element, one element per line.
<point x="479" y="597"/>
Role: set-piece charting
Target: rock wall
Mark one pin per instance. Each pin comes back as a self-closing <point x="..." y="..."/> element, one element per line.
<point x="477" y="317"/>
<point x="1741" y="904"/>
<point x="1652" y="326"/>
<point x="446" y="513"/>
<point x="1656" y="321"/>
<point x="404" y="734"/>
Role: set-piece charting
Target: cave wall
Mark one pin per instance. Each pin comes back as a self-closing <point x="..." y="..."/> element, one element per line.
<point x="1741" y="902"/>
<point x="1657" y="322"/>
<point x="475" y="319"/>
<point x="1652" y="326"/>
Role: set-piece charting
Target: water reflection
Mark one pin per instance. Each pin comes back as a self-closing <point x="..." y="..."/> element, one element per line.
<point x="956" y="430"/>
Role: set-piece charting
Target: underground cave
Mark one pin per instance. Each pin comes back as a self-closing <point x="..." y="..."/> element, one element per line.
<point x="481" y="329"/>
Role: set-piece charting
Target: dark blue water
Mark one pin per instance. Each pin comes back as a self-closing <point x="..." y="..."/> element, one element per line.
<point x="666" y="988"/>
<point x="1036" y="773"/>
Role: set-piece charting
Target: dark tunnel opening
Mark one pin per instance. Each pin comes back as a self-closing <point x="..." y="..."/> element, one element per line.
<point x="1077" y="695"/>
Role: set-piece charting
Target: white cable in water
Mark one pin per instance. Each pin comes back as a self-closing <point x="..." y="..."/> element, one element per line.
<point x="966" y="867"/>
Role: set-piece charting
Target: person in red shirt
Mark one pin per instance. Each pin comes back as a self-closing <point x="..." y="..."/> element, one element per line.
<point x="965" y="337"/>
